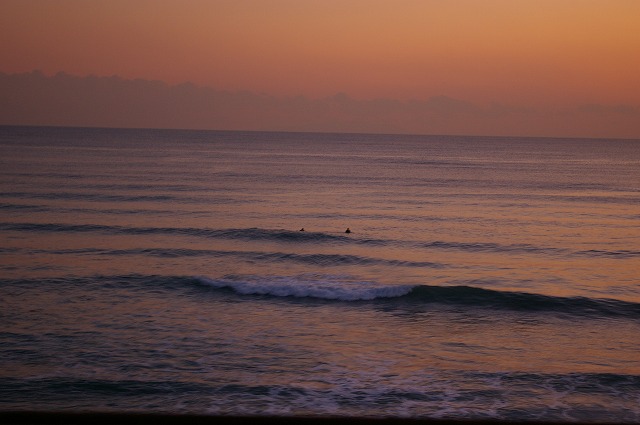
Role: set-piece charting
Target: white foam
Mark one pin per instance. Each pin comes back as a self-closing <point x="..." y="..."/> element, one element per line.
<point x="376" y="389"/>
<point x="325" y="287"/>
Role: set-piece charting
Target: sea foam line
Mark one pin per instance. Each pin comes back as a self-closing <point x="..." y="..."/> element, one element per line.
<point x="328" y="289"/>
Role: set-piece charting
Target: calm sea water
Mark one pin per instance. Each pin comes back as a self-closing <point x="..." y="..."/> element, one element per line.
<point x="165" y="271"/>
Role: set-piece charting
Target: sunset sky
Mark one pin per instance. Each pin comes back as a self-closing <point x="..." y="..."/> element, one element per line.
<point x="542" y="54"/>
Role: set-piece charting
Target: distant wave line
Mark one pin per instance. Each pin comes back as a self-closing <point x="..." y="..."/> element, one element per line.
<point x="291" y="236"/>
<point x="315" y="259"/>
<point x="88" y="196"/>
<point x="243" y="234"/>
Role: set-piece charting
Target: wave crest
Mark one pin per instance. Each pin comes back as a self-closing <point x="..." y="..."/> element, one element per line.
<point x="328" y="288"/>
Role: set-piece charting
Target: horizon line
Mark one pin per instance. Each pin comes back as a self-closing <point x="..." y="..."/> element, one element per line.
<point x="342" y="133"/>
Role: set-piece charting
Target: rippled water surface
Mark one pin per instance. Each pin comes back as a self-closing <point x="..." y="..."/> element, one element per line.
<point x="165" y="271"/>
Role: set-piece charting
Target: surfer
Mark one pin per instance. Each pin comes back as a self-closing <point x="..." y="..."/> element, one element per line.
<point x="348" y="230"/>
<point x="302" y="230"/>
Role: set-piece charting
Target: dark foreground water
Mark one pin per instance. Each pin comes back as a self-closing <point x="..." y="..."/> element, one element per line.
<point x="164" y="271"/>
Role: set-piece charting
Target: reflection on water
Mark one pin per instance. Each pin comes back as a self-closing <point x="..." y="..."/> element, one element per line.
<point x="483" y="278"/>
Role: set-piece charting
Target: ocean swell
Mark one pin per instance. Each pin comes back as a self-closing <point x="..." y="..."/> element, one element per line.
<point x="254" y="234"/>
<point x="335" y="288"/>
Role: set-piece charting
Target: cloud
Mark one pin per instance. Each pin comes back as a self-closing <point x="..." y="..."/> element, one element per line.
<point x="609" y="109"/>
<point x="66" y="100"/>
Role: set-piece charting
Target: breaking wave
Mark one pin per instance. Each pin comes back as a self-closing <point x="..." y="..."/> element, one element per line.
<point x="341" y="289"/>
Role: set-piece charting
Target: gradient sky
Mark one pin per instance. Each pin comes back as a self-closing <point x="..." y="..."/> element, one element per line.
<point x="529" y="53"/>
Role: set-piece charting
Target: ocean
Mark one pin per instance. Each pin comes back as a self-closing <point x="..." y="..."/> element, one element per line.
<point x="165" y="271"/>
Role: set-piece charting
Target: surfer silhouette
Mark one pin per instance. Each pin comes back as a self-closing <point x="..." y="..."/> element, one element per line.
<point x="302" y="230"/>
<point x="348" y="230"/>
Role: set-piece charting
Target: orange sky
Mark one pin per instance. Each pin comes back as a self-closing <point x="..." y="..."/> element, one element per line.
<point x="516" y="52"/>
